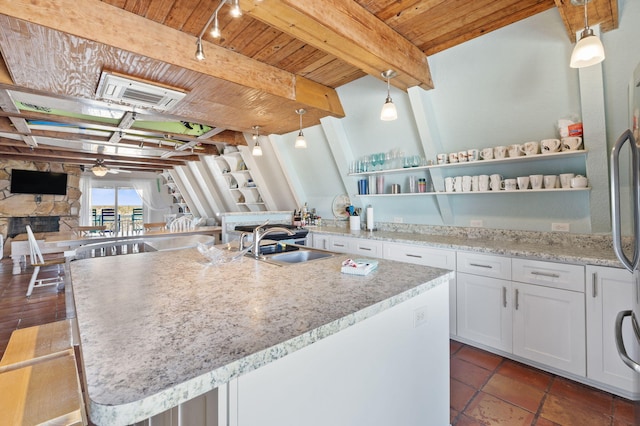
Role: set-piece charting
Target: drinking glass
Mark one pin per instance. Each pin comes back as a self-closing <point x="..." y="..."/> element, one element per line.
<point x="381" y="159"/>
<point x="374" y="161"/>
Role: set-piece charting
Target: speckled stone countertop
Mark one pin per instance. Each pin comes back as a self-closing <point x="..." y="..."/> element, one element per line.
<point x="160" y="328"/>
<point x="550" y="246"/>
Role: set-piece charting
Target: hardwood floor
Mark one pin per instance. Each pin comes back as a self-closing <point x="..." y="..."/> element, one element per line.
<point x="486" y="389"/>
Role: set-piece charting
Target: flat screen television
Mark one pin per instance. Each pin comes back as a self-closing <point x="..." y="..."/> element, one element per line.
<point x="35" y="182"/>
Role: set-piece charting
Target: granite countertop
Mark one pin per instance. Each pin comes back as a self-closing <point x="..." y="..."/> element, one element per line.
<point x="160" y="328"/>
<point x="555" y="247"/>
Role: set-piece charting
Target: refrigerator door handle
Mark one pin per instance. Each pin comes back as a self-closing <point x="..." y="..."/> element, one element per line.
<point x="622" y="351"/>
<point x="629" y="264"/>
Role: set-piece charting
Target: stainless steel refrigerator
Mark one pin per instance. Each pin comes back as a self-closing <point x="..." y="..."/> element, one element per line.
<point x="625" y="204"/>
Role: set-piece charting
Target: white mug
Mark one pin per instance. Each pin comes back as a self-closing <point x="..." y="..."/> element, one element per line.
<point x="473" y="154"/>
<point x="571" y="143"/>
<point x="442" y="158"/>
<point x="514" y="150"/>
<point x="466" y="183"/>
<point x="536" y="181"/>
<point x="457" y="184"/>
<point x="579" y="182"/>
<point x="486" y="154"/>
<point x="531" y="148"/>
<point x="453" y="157"/>
<point x="483" y="182"/>
<point x="448" y="184"/>
<point x="462" y="156"/>
<point x="500" y="151"/>
<point x="509" y="184"/>
<point x="550" y="145"/>
<point x="565" y="180"/>
<point x="495" y="182"/>
<point x="523" y="182"/>
<point x="550" y="181"/>
<point x="475" y="183"/>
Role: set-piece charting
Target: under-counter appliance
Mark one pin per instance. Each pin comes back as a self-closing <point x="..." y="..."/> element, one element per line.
<point x="625" y="204"/>
<point x="299" y="237"/>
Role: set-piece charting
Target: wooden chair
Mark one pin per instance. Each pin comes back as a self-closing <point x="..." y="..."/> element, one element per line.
<point x="108" y="218"/>
<point x="154" y="225"/>
<point x="38" y="261"/>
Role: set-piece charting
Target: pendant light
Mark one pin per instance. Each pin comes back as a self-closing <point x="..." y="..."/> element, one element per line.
<point x="389" y="112"/>
<point x="99" y="169"/>
<point x="257" y="149"/>
<point x="199" y="50"/>
<point x="588" y="50"/>
<point x="301" y="142"/>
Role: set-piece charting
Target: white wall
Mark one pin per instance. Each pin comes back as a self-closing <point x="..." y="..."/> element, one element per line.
<point x="508" y="86"/>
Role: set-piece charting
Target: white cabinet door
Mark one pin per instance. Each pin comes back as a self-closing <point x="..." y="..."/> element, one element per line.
<point x="320" y="241"/>
<point x="609" y="292"/>
<point x="484" y="310"/>
<point x="549" y="326"/>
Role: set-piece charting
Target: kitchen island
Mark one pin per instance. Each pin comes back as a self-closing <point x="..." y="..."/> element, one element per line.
<point x="296" y="344"/>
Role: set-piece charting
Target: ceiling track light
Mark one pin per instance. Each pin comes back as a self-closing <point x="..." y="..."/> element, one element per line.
<point x="257" y="149"/>
<point x="236" y="12"/>
<point x="301" y="142"/>
<point x="589" y="49"/>
<point x="389" y="112"/>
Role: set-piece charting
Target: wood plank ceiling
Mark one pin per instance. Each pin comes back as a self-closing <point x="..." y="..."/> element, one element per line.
<point x="280" y="55"/>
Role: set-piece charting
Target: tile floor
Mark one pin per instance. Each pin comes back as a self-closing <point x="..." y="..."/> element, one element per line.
<point x="486" y="389"/>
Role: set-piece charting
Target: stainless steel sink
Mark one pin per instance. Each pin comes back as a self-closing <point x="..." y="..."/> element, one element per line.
<point x="299" y="256"/>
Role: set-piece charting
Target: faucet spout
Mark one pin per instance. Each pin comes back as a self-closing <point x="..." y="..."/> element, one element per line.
<point x="259" y="233"/>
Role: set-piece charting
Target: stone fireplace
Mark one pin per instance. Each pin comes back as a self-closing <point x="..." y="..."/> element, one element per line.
<point x="17" y="225"/>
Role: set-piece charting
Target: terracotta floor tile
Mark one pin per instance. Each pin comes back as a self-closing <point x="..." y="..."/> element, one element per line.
<point x="516" y="392"/>
<point x="529" y="375"/>
<point x="469" y="373"/>
<point x="623" y="412"/>
<point x="567" y="413"/>
<point x="454" y="346"/>
<point x="544" y="422"/>
<point x="586" y="396"/>
<point x="490" y="410"/>
<point x="452" y="415"/>
<point x="479" y="357"/>
<point x="464" y="420"/>
<point x="461" y="394"/>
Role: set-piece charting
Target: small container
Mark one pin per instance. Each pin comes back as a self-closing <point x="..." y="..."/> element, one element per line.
<point x="412" y="184"/>
<point x="422" y="185"/>
<point x="395" y="188"/>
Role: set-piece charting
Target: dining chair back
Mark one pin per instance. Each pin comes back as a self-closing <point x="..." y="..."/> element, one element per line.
<point x="38" y="261"/>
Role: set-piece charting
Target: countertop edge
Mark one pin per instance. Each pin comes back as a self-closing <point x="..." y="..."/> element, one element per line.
<point x="142" y="409"/>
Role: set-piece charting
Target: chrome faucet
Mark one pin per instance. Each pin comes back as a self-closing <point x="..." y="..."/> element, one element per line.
<point x="259" y="233"/>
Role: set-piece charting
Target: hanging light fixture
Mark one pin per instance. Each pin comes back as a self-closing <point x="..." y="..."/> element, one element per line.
<point x="301" y="142"/>
<point x="389" y="111"/>
<point x="588" y="50"/>
<point x="236" y="12"/>
<point x="99" y="169"/>
<point x="257" y="149"/>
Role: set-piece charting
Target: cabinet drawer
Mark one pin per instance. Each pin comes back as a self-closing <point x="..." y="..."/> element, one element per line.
<point x="340" y="244"/>
<point x="367" y="247"/>
<point x="484" y="264"/>
<point x="549" y="274"/>
<point x="420" y="255"/>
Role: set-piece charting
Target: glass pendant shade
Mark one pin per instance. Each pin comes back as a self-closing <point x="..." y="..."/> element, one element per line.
<point x="301" y="142"/>
<point x="257" y="150"/>
<point x="588" y="51"/>
<point x="389" y="112"/>
<point x="199" y="50"/>
<point x="99" y="170"/>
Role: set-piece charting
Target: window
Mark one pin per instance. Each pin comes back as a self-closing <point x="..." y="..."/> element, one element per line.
<point x="118" y="208"/>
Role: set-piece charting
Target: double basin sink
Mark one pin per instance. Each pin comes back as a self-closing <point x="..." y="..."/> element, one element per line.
<point x="286" y="254"/>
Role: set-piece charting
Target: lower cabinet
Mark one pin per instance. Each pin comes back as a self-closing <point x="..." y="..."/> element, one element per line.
<point x="609" y="291"/>
<point x="539" y="322"/>
<point x="484" y="310"/>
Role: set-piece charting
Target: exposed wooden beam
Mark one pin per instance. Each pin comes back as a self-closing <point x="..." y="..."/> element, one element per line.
<point x="103" y="23"/>
<point x="348" y="31"/>
<point x="602" y="12"/>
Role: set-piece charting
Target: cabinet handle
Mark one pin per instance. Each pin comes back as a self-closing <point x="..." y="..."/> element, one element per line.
<point x="517" y="297"/>
<point x="364" y="248"/>
<point x="481" y="266"/>
<point x="413" y="255"/>
<point x="594" y="285"/>
<point x="504" y="296"/>
<point x="545" y="274"/>
<point x="338" y="245"/>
